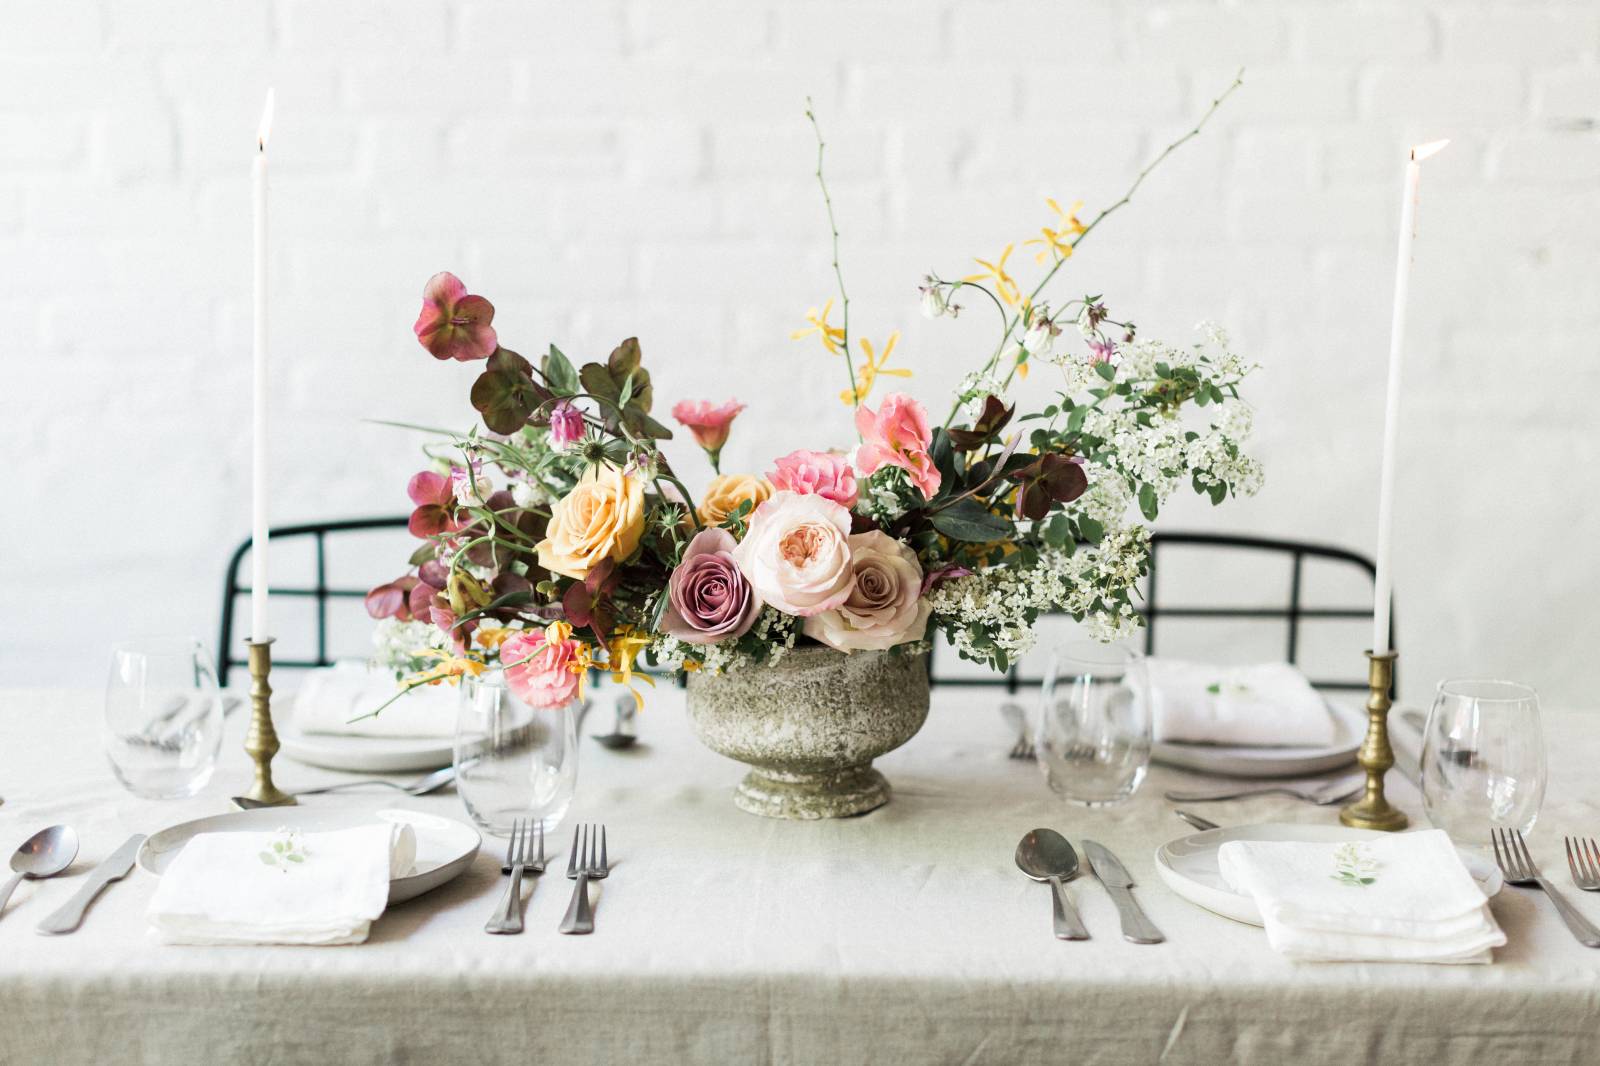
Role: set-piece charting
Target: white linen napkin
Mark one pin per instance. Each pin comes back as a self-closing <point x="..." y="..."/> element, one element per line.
<point x="330" y="697"/>
<point x="1270" y="704"/>
<point x="282" y="887"/>
<point x="1406" y="897"/>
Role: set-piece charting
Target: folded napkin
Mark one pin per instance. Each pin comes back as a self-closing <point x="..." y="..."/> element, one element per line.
<point x="1406" y="897"/>
<point x="1270" y="704"/>
<point x="330" y="697"/>
<point x="282" y="887"/>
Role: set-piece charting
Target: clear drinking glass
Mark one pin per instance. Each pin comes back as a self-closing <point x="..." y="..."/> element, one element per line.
<point x="1092" y="729"/>
<point x="1483" y="759"/>
<point x="512" y="760"/>
<point x="163" y="717"/>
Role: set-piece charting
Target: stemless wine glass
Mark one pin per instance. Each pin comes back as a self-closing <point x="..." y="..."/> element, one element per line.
<point x="163" y="717"/>
<point x="1483" y="760"/>
<point x="1092" y="729"/>
<point x="513" y="760"/>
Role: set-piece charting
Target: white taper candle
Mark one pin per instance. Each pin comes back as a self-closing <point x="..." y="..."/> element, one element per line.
<point x="259" y="629"/>
<point x="1383" y="591"/>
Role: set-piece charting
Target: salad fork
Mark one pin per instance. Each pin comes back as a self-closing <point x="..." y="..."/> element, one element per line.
<point x="507" y="917"/>
<point x="587" y="861"/>
<point x="1519" y="868"/>
<point x="1583" y="859"/>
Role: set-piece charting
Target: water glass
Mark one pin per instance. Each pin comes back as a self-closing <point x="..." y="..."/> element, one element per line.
<point x="513" y="760"/>
<point x="1092" y="729"/>
<point x="163" y="717"/>
<point x="1483" y="759"/>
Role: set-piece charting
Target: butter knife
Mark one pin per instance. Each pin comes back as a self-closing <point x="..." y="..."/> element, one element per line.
<point x="1135" y="926"/>
<point x="114" y="868"/>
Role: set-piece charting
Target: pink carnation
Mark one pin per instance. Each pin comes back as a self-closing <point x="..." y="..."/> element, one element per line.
<point x="897" y="434"/>
<point x="816" y="474"/>
<point x="541" y="673"/>
<point x="710" y="425"/>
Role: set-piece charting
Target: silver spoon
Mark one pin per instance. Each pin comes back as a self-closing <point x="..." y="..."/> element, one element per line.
<point x="420" y="787"/>
<point x="622" y="734"/>
<point x="1045" y="855"/>
<point x="45" y="854"/>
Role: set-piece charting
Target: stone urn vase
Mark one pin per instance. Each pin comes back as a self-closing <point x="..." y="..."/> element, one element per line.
<point x="810" y="725"/>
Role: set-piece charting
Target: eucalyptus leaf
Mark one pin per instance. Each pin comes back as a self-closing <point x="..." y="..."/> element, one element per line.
<point x="1147" y="501"/>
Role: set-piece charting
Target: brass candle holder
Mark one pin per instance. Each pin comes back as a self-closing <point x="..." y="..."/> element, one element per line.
<point x="1373" y="810"/>
<point x="261" y="742"/>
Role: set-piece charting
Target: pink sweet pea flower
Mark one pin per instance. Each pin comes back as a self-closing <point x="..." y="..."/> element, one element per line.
<point x="816" y="474"/>
<point x="435" y="499"/>
<point x="566" y="424"/>
<point x="541" y="672"/>
<point x="708" y="424"/>
<point x="454" y="325"/>
<point x="897" y="434"/>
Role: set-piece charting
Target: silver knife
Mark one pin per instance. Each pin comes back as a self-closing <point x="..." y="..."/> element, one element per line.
<point x="1135" y="926"/>
<point x="114" y="868"/>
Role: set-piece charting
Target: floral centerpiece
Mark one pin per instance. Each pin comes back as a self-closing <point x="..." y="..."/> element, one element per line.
<point x="557" y="540"/>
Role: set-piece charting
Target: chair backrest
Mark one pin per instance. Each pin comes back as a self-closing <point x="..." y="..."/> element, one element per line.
<point x="231" y="646"/>
<point x="1292" y="609"/>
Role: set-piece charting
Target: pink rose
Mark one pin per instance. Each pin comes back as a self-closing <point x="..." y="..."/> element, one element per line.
<point x="816" y="474"/>
<point x="709" y="424"/>
<point x="707" y="598"/>
<point x="796" y="553"/>
<point x="885" y="605"/>
<point x="539" y="672"/>
<point x="898" y="435"/>
<point x="453" y="324"/>
<point x="566" y="424"/>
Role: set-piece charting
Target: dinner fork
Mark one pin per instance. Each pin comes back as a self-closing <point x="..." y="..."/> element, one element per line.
<point x="584" y="863"/>
<point x="1583" y="859"/>
<point x="1018" y="720"/>
<point x="531" y="864"/>
<point x="1324" y="794"/>
<point x="1518" y="866"/>
<point x="507" y="917"/>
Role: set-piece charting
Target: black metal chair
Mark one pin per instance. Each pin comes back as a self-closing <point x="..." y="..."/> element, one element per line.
<point x="231" y="651"/>
<point x="1294" y="613"/>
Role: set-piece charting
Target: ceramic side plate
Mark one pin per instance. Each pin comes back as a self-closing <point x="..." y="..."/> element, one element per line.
<point x="1189" y="864"/>
<point x="445" y="847"/>
<point x="1241" y="761"/>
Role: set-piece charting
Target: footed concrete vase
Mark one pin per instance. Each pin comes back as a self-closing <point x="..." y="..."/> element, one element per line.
<point x="810" y="725"/>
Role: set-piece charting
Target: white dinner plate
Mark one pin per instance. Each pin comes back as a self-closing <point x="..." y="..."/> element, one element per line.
<point x="1350" y="725"/>
<point x="367" y="755"/>
<point x="445" y="847"/>
<point x="1189" y="864"/>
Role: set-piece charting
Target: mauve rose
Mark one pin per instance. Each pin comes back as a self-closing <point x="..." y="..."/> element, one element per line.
<point x="816" y="474"/>
<point x="707" y="598"/>
<point x="885" y="606"/>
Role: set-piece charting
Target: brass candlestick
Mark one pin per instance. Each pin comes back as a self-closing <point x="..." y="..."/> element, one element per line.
<point x="261" y="742"/>
<point x="1373" y="810"/>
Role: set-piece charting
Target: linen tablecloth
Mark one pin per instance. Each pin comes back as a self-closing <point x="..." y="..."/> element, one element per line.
<point x="905" y="936"/>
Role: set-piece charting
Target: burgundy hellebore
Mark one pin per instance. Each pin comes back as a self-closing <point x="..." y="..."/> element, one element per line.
<point x="453" y="324"/>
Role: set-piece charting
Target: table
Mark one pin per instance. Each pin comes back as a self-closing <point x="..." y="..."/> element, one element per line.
<point x="905" y="936"/>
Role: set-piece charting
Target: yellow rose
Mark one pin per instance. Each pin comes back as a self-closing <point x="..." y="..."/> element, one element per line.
<point x="601" y="518"/>
<point x="727" y="491"/>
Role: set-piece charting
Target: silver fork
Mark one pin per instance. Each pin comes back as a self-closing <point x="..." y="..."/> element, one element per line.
<point x="1583" y="859"/>
<point x="585" y="863"/>
<point x="531" y="864"/>
<point x="1519" y="868"/>
<point x="507" y="917"/>
<point x="1324" y="795"/>
<point x="1018" y="719"/>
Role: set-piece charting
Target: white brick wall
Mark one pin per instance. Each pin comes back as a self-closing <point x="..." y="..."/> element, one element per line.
<point x="609" y="168"/>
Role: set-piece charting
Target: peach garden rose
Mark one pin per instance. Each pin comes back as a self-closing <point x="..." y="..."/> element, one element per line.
<point x="727" y="491"/>
<point x="601" y="518"/>
<point x="796" y="554"/>
<point x="885" y="606"/>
